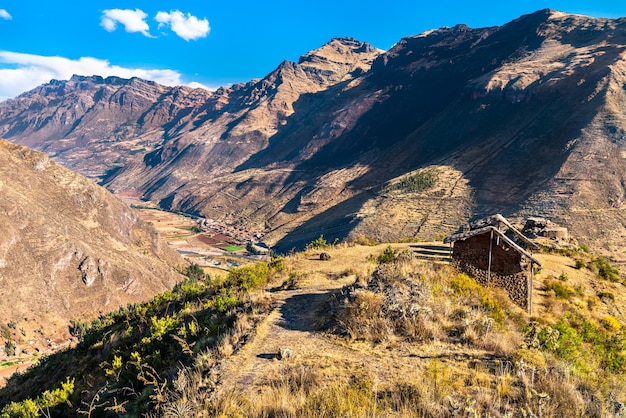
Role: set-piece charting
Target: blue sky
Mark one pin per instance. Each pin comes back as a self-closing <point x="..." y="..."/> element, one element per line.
<point x="216" y="43"/>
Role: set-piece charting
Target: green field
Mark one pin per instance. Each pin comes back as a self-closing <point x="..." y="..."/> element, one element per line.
<point x="233" y="248"/>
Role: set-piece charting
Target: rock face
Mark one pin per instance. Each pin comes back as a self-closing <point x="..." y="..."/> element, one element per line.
<point x="523" y="119"/>
<point x="540" y="227"/>
<point x="68" y="248"/>
<point x="112" y="118"/>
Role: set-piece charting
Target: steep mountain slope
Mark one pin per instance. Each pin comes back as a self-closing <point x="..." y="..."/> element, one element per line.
<point x="249" y="117"/>
<point x="110" y="118"/>
<point x="520" y="119"/>
<point x="68" y="248"/>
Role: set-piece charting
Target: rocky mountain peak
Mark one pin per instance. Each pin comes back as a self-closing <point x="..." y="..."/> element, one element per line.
<point x="341" y="55"/>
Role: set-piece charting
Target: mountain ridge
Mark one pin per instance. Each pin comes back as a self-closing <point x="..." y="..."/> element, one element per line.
<point x="313" y="147"/>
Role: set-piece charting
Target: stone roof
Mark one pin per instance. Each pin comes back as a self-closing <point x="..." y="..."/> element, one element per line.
<point x="494" y="224"/>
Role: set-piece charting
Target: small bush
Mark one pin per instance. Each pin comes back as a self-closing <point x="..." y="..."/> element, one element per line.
<point x="605" y="270"/>
<point x="493" y="308"/>
<point x="9" y="348"/>
<point x="252" y="249"/>
<point x="439" y="377"/>
<point x="225" y="302"/>
<point x="387" y="256"/>
<point x="195" y="272"/>
<point x="607" y="295"/>
<point x="530" y="357"/>
<point x="364" y="240"/>
<point x="356" y="399"/>
<point x="318" y="243"/>
<point x="277" y="264"/>
<point x="464" y="285"/>
<point x="560" y="290"/>
<point x="249" y="277"/>
<point x="611" y="323"/>
<point x="46" y="402"/>
<point x="365" y="317"/>
<point x="79" y="328"/>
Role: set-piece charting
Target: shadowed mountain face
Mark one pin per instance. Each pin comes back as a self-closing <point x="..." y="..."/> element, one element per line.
<point x="68" y="248"/>
<point x="520" y="119"/>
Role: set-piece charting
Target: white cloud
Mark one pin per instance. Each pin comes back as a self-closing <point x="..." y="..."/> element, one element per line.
<point x="5" y="15"/>
<point x="29" y="71"/>
<point x="187" y="27"/>
<point x="133" y="20"/>
<point x="196" y="85"/>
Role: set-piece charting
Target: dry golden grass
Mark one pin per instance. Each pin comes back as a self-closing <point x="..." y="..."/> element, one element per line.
<point x="457" y="355"/>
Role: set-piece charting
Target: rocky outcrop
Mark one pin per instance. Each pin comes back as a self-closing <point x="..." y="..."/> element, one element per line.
<point x="541" y="227"/>
<point x="89" y="270"/>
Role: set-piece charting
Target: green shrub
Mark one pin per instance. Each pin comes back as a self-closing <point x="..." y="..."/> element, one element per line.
<point x="195" y="272"/>
<point x="224" y="302"/>
<point x="79" y="328"/>
<point x="190" y="289"/>
<point x="318" y="243"/>
<point x="492" y="308"/>
<point x="9" y="348"/>
<point x="560" y="290"/>
<point x="582" y="342"/>
<point x="25" y="409"/>
<point x="252" y="249"/>
<point x="611" y="323"/>
<point x="607" y="295"/>
<point x="160" y="326"/>
<point x="605" y="270"/>
<point x="248" y="278"/>
<point x="570" y="343"/>
<point x="419" y="182"/>
<point x="387" y="256"/>
<point x="48" y="399"/>
<point x="277" y="264"/>
<point x="545" y="338"/>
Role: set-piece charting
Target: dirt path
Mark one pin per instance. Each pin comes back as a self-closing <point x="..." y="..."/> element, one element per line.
<point x="296" y="324"/>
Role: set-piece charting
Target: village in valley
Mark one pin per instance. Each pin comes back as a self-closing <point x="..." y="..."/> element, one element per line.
<point x="212" y="245"/>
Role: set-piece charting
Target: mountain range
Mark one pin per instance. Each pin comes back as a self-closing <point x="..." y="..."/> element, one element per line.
<point x="521" y="119"/>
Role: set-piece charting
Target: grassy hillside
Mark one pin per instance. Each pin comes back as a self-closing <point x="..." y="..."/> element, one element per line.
<point x="374" y="331"/>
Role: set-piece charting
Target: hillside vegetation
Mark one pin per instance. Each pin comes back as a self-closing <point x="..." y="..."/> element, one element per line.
<point x="374" y="331"/>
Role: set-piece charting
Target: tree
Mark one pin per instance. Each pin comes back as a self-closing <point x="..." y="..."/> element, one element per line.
<point x="9" y="348"/>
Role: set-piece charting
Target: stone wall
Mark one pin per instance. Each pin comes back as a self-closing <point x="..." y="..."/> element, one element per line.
<point x="471" y="256"/>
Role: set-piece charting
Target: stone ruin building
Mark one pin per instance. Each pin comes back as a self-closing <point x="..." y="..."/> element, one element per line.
<point x="491" y="250"/>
